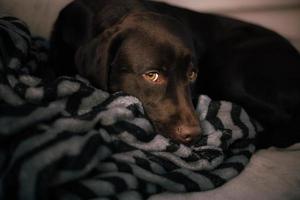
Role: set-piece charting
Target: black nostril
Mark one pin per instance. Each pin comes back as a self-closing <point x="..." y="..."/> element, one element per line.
<point x="188" y="134"/>
<point x="187" y="138"/>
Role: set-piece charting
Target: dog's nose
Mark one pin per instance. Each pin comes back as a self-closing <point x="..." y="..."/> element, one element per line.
<point x="188" y="134"/>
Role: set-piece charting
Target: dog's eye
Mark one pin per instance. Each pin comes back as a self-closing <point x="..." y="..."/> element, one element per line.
<point x="192" y="75"/>
<point x="151" y="76"/>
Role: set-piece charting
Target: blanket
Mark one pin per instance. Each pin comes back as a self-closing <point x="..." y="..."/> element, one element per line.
<point x="65" y="139"/>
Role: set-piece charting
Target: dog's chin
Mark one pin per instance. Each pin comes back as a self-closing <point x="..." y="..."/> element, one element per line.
<point x="159" y="129"/>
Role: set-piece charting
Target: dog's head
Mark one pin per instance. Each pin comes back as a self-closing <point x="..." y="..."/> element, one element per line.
<point x="151" y="57"/>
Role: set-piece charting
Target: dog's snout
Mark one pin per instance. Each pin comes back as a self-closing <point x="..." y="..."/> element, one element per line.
<point x="188" y="134"/>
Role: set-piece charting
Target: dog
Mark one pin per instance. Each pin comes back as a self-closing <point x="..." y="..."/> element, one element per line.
<point x="164" y="54"/>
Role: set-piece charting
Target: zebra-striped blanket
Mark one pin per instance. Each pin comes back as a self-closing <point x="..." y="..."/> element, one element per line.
<point x="65" y="139"/>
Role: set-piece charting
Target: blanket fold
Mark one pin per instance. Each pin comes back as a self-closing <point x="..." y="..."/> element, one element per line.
<point x="65" y="139"/>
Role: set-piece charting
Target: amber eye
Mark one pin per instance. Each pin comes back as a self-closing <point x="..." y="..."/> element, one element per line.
<point x="192" y="75"/>
<point x="151" y="76"/>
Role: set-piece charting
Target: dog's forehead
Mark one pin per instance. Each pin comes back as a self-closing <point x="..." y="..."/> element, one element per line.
<point x="161" y="27"/>
<point x="152" y="42"/>
<point x="140" y="50"/>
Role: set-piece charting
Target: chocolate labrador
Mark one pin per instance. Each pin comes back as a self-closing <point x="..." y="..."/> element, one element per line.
<point x="161" y="54"/>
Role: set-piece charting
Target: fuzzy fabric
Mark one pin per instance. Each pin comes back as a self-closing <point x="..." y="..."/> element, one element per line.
<point x="65" y="139"/>
<point x="271" y="174"/>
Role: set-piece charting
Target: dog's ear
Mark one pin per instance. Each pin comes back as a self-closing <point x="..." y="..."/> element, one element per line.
<point x="71" y="29"/>
<point x="93" y="59"/>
